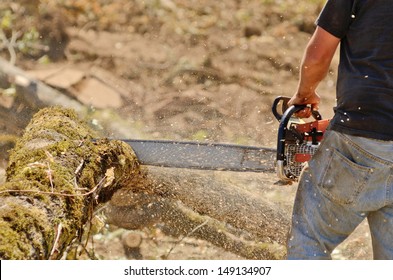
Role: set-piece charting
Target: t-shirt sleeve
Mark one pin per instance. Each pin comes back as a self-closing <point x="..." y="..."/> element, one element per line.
<point x="336" y="16"/>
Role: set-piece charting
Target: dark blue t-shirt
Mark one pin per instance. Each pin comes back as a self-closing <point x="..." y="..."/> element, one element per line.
<point x="365" y="74"/>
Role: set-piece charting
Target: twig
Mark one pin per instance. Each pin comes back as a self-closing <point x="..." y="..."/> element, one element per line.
<point x="79" y="167"/>
<point x="58" y="232"/>
<point x="190" y="233"/>
<point x="11" y="47"/>
<point x="10" y="44"/>
<point x="49" y="172"/>
<point x="96" y="187"/>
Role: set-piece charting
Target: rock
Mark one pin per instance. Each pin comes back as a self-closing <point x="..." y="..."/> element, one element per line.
<point x="93" y="92"/>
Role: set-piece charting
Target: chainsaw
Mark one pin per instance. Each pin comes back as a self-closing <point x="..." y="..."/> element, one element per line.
<point x="297" y="142"/>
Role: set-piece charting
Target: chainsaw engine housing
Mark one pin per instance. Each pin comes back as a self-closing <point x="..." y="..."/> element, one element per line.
<point x="297" y="152"/>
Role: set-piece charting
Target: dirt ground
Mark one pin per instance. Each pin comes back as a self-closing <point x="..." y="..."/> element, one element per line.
<point x="184" y="70"/>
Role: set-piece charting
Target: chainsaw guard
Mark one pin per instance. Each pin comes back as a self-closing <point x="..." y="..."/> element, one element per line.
<point x="281" y="174"/>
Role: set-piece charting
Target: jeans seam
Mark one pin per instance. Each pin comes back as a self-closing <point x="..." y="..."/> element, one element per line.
<point x="367" y="154"/>
<point x="389" y="184"/>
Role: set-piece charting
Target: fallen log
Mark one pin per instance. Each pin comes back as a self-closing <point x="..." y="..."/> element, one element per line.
<point x="34" y="93"/>
<point x="55" y="177"/>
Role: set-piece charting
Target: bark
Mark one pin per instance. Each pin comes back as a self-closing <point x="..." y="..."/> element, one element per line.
<point x="55" y="177"/>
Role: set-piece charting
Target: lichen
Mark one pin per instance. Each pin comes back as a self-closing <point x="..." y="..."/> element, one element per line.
<point x="56" y="175"/>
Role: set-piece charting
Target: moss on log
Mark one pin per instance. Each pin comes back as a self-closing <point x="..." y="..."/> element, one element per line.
<point x="56" y="176"/>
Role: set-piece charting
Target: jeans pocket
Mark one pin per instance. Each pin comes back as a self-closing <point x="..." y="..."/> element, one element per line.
<point x="343" y="180"/>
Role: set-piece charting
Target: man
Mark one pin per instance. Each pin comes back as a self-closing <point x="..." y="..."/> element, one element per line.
<point x="350" y="178"/>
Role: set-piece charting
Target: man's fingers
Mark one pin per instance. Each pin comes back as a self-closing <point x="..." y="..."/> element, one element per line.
<point x="304" y="113"/>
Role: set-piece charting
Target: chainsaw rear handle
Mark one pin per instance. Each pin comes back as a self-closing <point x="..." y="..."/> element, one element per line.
<point x="284" y="106"/>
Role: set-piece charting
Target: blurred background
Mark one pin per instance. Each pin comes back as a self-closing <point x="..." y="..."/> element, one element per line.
<point x="159" y="69"/>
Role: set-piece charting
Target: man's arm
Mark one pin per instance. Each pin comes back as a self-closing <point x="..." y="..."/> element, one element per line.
<point x="314" y="68"/>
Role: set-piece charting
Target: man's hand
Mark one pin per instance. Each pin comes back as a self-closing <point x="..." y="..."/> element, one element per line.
<point x="310" y="99"/>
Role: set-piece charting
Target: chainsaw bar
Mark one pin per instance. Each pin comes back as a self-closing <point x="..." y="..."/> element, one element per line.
<point x="205" y="156"/>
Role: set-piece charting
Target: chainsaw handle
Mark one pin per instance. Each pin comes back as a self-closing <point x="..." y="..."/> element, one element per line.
<point x="288" y="113"/>
<point x="284" y="106"/>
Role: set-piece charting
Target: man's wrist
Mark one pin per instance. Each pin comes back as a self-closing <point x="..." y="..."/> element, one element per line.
<point x="304" y="96"/>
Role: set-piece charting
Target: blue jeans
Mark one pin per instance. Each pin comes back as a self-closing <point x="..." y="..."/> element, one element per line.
<point x="348" y="179"/>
